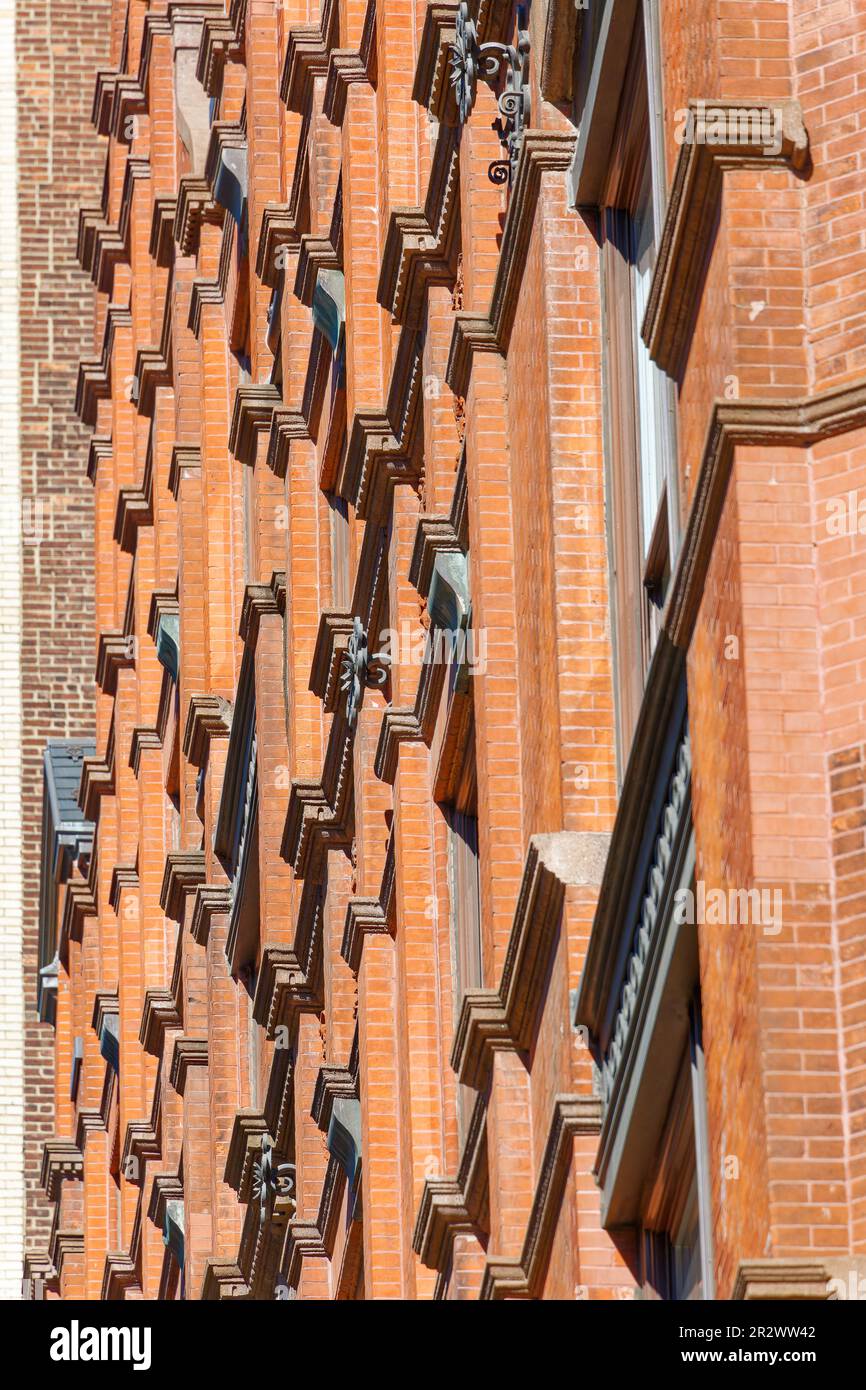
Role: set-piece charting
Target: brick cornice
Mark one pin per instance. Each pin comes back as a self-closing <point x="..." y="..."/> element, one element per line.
<point x="140" y="1143"/>
<point x="783" y="1279"/>
<point x="541" y="152"/>
<point x="505" y="1017"/>
<point x="85" y="1121"/>
<point x="222" y="1280"/>
<point x="207" y="717"/>
<point x="142" y="739"/>
<point x="382" y="450"/>
<point x="79" y="903"/>
<point x="38" y="1265"/>
<point x="164" y="603"/>
<point x="133" y="510"/>
<point x="253" y="409"/>
<point x="98" y="452"/>
<point x="345" y="67"/>
<point x="167" y="1187"/>
<point x="307" y="52"/>
<point x="118" y="1277"/>
<point x="278" y="589"/>
<point x="155" y="26"/>
<point x="303" y="1242"/>
<point x="435" y="535"/>
<point x="278" y="231"/>
<point x="421" y="243"/>
<point x="209" y="901"/>
<point x="65" y="1245"/>
<point x="151" y="371"/>
<point x="283" y="990"/>
<point x="451" y="1205"/>
<point x="286" y="425"/>
<point x="245" y="1145"/>
<point x="184" y="870"/>
<point x="259" y="601"/>
<point x="115" y="652"/>
<point x="194" y="204"/>
<point x="432" y="87"/>
<point x="159" y="1015"/>
<point x="220" y="44"/>
<point x="771" y="423"/>
<point x="61" y="1159"/>
<point x="187" y="1052"/>
<point x="522" y="1277"/>
<point x="442" y="1214"/>
<point x="105" y="1006"/>
<point x="693" y="208"/>
<point x="162" y="231"/>
<point x="103" y="98"/>
<point x="317" y="816"/>
<point x="185" y="461"/>
<point x="208" y="291"/>
<point x="97" y="780"/>
<point x="122" y="876"/>
<point x="102" y="246"/>
<point x="415" y="724"/>
<point x="332" y="1083"/>
<point x="364" y="917"/>
<point x="315" y="253"/>
<point x="332" y="639"/>
<point x="128" y="99"/>
<point x="94" y="374"/>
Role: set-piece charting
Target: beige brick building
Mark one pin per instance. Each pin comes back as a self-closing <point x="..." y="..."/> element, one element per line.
<point x="50" y="163"/>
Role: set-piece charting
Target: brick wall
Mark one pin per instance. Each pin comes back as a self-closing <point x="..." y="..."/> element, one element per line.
<point x="11" y="970"/>
<point x="59" y="164"/>
<point x="471" y="394"/>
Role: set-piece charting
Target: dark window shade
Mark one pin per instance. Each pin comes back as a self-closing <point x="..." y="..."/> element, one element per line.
<point x="465" y="889"/>
<point x="675" y="1246"/>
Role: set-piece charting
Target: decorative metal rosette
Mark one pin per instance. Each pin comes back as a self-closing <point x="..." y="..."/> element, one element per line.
<point x="464" y="62"/>
<point x="271" y="1180"/>
<point x="360" y="667"/>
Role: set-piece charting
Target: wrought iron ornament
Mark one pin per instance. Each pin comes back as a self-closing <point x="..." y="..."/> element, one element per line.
<point x="271" y="1180"/>
<point x="471" y="60"/>
<point x="360" y="667"/>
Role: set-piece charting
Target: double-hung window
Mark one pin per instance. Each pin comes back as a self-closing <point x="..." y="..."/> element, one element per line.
<point x="638" y="419"/>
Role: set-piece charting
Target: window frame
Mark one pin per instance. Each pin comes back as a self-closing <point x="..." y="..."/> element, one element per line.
<point x="637" y="395"/>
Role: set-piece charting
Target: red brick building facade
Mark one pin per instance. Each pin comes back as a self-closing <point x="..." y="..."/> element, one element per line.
<point x="476" y="902"/>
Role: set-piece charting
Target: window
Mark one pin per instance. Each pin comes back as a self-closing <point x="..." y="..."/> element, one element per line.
<point x="637" y="397"/>
<point x="675" y="1254"/>
<point x="465" y="894"/>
